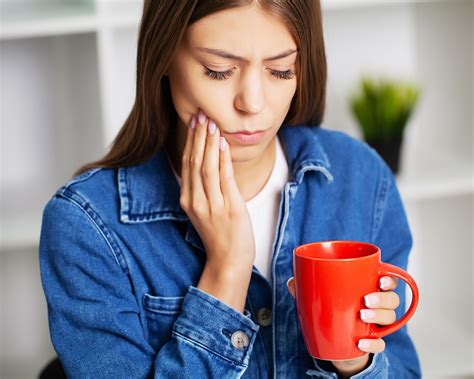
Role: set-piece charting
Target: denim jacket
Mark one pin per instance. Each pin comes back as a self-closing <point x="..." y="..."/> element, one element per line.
<point x="120" y="262"/>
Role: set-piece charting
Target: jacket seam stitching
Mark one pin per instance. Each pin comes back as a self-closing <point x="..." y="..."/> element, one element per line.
<point x="101" y="231"/>
<point x="80" y="178"/>
<point x="125" y="199"/>
<point x="309" y="165"/>
<point x="260" y="341"/>
<point x="380" y="205"/>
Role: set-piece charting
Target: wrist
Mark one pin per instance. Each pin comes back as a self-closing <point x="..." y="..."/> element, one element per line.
<point x="226" y="283"/>
<point x="228" y="270"/>
<point x="348" y="368"/>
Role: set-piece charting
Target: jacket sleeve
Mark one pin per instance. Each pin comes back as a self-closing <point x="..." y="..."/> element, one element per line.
<point x="94" y="317"/>
<point x="391" y="232"/>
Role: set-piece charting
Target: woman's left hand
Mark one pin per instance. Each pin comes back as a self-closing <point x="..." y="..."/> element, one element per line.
<point x="381" y="311"/>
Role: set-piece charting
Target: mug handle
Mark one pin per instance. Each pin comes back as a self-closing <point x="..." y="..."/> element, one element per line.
<point x="387" y="269"/>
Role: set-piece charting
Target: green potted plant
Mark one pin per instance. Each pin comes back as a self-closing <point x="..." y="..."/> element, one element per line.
<point x="382" y="109"/>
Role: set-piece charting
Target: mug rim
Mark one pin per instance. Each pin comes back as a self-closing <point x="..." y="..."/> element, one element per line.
<point x="332" y="242"/>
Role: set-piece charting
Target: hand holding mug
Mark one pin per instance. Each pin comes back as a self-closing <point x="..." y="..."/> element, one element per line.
<point x="339" y="305"/>
<point x="383" y="306"/>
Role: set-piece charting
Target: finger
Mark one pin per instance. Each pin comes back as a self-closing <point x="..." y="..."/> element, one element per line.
<point x="372" y="345"/>
<point x="388" y="283"/>
<point x="378" y="316"/>
<point x="383" y="300"/>
<point x="229" y="187"/>
<point x="210" y="167"/>
<point x="291" y="286"/>
<point x="185" y="172"/>
<point x="198" y="195"/>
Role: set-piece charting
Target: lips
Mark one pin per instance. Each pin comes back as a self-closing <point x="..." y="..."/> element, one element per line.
<point x="247" y="132"/>
<point x="244" y="138"/>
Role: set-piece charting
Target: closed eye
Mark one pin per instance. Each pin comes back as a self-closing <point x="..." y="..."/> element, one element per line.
<point x="224" y="75"/>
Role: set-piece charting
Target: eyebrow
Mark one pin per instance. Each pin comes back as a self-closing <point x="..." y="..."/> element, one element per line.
<point x="225" y="54"/>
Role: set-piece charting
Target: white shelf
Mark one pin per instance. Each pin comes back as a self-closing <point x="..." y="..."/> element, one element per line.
<point x="120" y="14"/>
<point x="26" y="20"/>
<point x="350" y="4"/>
<point x="354" y="4"/>
<point x="430" y="189"/>
<point x="435" y="178"/>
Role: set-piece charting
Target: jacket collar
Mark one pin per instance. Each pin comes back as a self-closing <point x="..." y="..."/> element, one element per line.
<point x="150" y="192"/>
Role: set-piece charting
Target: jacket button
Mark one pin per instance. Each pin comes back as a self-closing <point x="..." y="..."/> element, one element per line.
<point x="264" y="317"/>
<point x="239" y="340"/>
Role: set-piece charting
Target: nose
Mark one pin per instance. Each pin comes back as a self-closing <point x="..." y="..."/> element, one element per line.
<point x="251" y="96"/>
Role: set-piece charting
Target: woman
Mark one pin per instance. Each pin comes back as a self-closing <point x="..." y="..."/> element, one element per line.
<point x="170" y="257"/>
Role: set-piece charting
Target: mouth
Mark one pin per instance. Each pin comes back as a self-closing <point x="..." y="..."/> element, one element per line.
<point x="248" y="132"/>
<point x="248" y="138"/>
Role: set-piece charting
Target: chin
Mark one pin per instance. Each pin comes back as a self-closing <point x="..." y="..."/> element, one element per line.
<point x="244" y="153"/>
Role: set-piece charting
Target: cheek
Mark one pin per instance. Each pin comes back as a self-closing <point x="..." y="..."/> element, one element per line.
<point x="280" y="101"/>
<point x="289" y="91"/>
<point x="188" y="104"/>
<point x="191" y="90"/>
<point x="182" y="86"/>
<point x="212" y="103"/>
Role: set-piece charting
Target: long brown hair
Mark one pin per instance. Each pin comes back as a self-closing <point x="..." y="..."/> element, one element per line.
<point x="162" y="26"/>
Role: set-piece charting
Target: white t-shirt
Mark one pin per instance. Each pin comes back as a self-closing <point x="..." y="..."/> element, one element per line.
<point x="263" y="210"/>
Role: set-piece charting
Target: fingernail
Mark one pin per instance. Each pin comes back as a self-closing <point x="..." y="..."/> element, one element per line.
<point x="222" y="143"/>
<point x="201" y="117"/>
<point x="192" y="124"/>
<point x="364" y="344"/>
<point x="212" y="127"/>
<point x="384" y="282"/>
<point x="367" y="314"/>
<point x="371" y="300"/>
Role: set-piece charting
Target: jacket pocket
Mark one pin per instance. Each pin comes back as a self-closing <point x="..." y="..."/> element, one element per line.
<point x="161" y="313"/>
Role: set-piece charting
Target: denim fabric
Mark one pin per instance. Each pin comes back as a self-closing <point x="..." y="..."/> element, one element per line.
<point x="120" y="261"/>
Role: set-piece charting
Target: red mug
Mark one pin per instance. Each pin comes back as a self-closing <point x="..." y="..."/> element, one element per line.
<point x="331" y="280"/>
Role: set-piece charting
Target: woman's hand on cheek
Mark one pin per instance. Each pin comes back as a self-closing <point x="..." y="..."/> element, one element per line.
<point x="210" y="196"/>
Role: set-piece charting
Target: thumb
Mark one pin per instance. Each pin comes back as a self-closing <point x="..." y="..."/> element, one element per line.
<point x="291" y="286"/>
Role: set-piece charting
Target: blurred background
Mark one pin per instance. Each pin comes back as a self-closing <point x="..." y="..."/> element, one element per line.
<point x="67" y="71"/>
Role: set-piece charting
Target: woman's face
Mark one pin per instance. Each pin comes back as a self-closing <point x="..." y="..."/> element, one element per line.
<point x="250" y="93"/>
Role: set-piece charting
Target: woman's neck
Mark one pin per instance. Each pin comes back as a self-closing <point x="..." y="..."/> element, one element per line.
<point x="251" y="176"/>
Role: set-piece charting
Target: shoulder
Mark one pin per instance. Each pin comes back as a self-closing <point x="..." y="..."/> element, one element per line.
<point x="357" y="166"/>
<point x="347" y="153"/>
<point x="339" y="143"/>
<point x="79" y="220"/>
<point x="94" y="185"/>
<point x="92" y="193"/>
